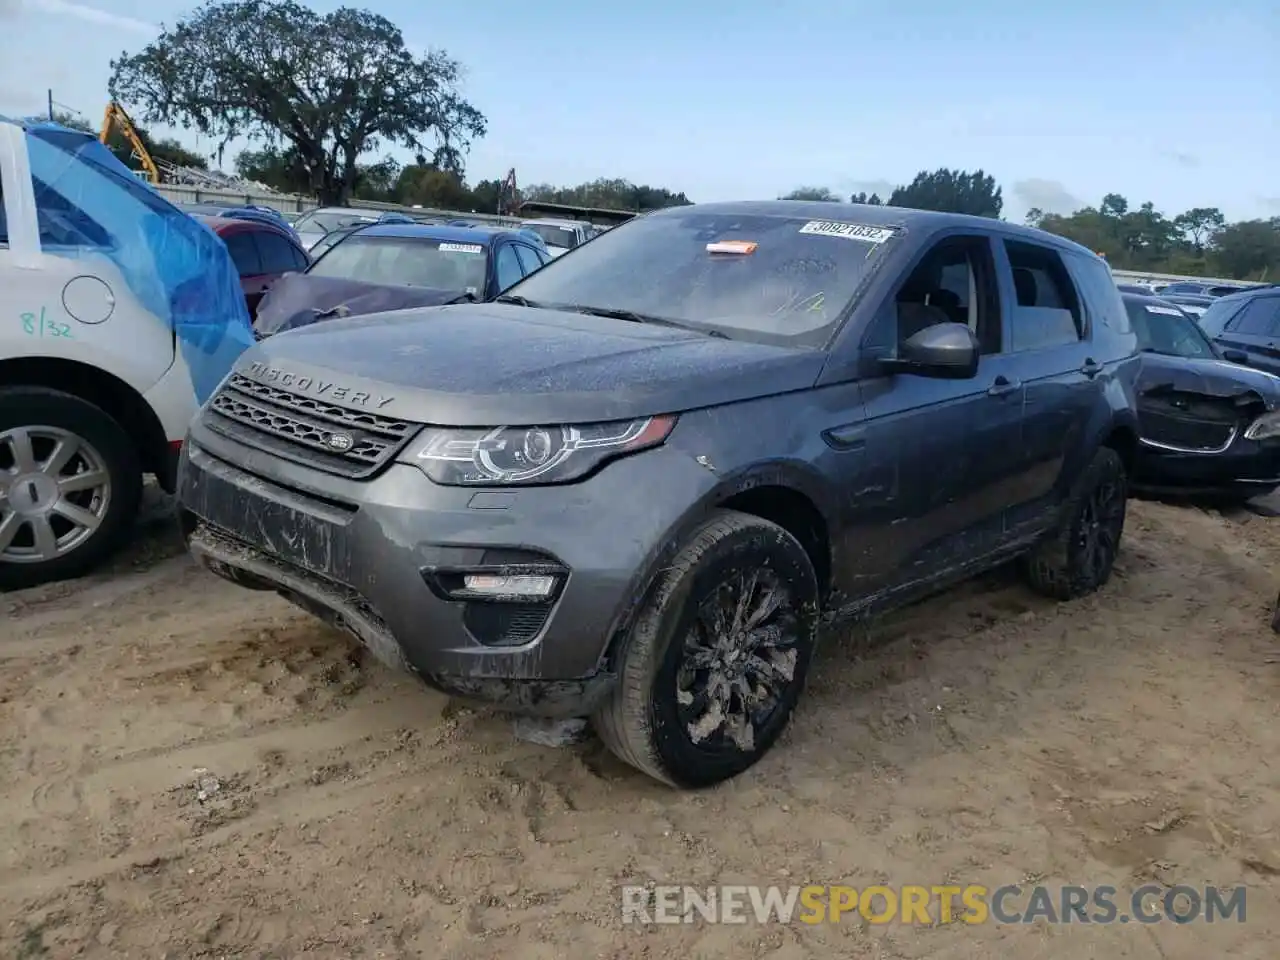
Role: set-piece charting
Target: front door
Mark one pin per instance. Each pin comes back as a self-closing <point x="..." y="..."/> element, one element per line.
<point x="939" y="455"/>
<point x="1256" y="331"/>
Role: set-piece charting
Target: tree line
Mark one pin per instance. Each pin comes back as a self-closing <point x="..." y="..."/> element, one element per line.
<point x="322" y="95"/>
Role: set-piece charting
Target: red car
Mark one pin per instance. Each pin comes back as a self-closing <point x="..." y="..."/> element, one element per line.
<point x="261" y="252"/>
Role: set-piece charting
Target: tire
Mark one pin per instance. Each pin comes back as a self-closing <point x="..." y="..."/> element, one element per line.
<point x="1078" y="558"/>
<point x="642" y="721"/>
<point x="45" y="417"/>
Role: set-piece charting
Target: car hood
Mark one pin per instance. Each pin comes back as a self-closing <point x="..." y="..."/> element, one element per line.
<point x="1218" y="379"/>
<point x="301" y="299"/>
<point x="499" y="364"/>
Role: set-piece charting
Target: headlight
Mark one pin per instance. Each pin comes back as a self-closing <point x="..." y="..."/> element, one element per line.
<point x="1265" y="427"/>
<point x="502" y="456"/>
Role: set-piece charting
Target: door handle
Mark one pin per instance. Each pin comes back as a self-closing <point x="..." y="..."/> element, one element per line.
<point x="1003" y="386"/>
<point x="1091" y="368"/>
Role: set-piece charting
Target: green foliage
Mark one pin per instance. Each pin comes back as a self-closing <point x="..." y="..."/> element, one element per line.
<point x="324" y="89"/>
<point x="1198" y="242"/>
<point x="614" y="194"/>
<point x="163" y="149"/>
<point x="811" y="193"/>
<point x="952" y="191"/>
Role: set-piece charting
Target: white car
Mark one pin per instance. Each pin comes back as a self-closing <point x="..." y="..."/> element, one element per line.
<point x="120" y="315"/>
<point x="560" y="236"/>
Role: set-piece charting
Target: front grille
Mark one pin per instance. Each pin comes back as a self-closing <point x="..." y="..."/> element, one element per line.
<point x="1186" y="433"/>
<point x="302" y="428"/>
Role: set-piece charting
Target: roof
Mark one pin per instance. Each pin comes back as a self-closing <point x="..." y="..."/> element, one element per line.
<point x="433" y="231"/>
<point x="238" y="224"/>
<point x="908" y="218"/>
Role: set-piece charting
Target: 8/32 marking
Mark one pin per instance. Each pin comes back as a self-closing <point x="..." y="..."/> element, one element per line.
<point x="35" y="325"/>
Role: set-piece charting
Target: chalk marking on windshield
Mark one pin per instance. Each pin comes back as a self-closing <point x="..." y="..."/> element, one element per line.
<point x="741" y="247"/>
<point x="848" y="231"/>
<point x="1165" y="311"/>
<point x="461" y="248"/>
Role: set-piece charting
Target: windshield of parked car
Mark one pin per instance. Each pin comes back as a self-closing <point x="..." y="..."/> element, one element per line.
<point x="405" y="261"/>
<point x="771" y="279"/>
<point x="324" y="221"/>
<point x="1167" y="330"/>
<point x="553" y="236"/>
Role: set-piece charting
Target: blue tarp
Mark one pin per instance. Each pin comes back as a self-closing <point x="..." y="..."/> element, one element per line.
<point x="92" y="205"/>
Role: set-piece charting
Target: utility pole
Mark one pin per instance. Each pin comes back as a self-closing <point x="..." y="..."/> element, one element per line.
<point x="51" y="105"/>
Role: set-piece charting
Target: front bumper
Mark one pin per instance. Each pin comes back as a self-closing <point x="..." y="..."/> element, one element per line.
<point x="1245" y="467"/>
<point x="359" y="554"/>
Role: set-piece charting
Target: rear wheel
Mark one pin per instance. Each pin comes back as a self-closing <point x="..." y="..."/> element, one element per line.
<point x="717" y="659"/>
<point x="1079" y="557"/>
<point x="70" y="483"/>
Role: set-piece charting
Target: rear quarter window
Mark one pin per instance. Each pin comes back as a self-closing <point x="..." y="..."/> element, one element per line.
<point x="1102" y="300"/>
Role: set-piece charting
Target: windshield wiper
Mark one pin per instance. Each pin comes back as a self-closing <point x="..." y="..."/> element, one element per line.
<point x="518" y="300"/>
<point x="467" y="297"/>
<point x="633" y="317"/>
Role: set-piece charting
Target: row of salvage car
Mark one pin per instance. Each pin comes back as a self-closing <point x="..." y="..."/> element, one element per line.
<point x="634" y="484"/>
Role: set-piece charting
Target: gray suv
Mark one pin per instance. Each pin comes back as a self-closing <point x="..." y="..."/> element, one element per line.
<point x="637" y="485"/>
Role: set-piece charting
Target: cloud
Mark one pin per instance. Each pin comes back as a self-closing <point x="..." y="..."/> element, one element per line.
<point x="1047" y="195"/>
<point x="1270" y="203"/>
<point x="65" y="8"/>
<point x="1180" y="158"/>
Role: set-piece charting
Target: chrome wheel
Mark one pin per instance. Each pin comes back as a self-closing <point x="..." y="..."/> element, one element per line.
<point x="739" y="659"/>
<point x="55" y="491"/>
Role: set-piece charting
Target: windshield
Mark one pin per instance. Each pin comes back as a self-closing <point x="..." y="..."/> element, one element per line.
<point x="561" y="237"/>
<point x="324" y="221"/>
<point x="770" y="279"/>
<point x="404" y="261"/>
<point x="1167" y="330"/>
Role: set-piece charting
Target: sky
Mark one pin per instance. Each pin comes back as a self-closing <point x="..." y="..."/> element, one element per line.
<point x="1173" y="102"/>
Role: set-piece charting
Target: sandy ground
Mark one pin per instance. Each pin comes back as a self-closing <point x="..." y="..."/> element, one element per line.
<point x="192" y="770"/>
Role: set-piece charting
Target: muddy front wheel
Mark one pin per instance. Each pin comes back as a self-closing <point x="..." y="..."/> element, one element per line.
<point x="717" y="659"/>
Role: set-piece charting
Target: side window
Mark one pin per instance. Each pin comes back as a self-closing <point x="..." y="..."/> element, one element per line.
<point x="1102" y="301"/>
<point x="1261" y="318"/>
<point x="300" y="259"/>
<point x="507" y="267"/>
<point x="62" y="223"/>
<point x="244" y="253"/>
<point x="1047" y="310"/>
<point x="276" y="251"/>
<point x="529" y="261"/>
<point x="954" y="283"/>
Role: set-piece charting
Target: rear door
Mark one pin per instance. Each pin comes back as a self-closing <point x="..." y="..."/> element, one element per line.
<point x="1053" y="357"/>
<point x="1255" y="329"/>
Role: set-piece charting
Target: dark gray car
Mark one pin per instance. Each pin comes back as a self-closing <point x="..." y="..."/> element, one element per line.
<point x="635" y="487"/>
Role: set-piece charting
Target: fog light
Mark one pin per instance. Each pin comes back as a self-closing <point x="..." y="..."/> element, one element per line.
<point x="523" y="587"/>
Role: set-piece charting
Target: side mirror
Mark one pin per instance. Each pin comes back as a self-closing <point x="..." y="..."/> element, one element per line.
<point x="1236" y="356"/>
<point x="946" y="351"/>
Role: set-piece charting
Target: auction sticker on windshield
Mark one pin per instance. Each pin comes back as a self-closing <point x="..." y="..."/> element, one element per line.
<point x="1165" y="311"/>
<point x="849" y="231"/>
<point x="461" y="248"/>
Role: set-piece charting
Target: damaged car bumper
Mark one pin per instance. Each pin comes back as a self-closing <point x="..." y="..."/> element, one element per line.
<point x="422" y="574"/>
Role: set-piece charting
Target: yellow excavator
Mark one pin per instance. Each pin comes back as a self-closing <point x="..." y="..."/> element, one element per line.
<point x="115" y="116"/>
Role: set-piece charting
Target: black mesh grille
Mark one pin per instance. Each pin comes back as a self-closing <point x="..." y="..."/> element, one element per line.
<point x="1184" y="432"/>
<point x="353" y="443"/>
